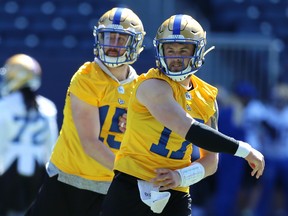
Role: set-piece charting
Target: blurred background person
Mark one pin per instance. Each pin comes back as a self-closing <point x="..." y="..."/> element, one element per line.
<point x="230" y="122"/>
<point x="239" y="114"/>
<point x="252" y="111"/>
<point x="273" y="194"/>
<point x="28" y="130"/>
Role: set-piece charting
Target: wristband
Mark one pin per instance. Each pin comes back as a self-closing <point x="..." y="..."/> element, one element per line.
<point x="191" y="174"/>
<point x="243" y="149"/>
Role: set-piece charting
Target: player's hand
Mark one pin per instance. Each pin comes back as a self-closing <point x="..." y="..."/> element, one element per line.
<point x="122" y="122"/>
<point x="256" y="161"/>
<point x="166" y="179"/>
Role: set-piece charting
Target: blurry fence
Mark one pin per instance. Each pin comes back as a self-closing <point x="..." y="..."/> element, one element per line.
<point x="242" y="58"/>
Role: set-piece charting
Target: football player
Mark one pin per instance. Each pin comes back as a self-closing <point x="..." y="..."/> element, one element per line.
<point x="171" y="108"/>
<point x="80" y="168"/>
<point x="28" y="123"/>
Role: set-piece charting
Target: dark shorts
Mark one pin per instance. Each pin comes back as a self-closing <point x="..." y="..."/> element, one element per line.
<point x="59" y="199"/>
<point x="123" y="198"/>
<point x="18" y="191"/>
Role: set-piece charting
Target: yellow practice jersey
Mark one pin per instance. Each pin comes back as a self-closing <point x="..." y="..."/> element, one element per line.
<point x="147" y="144"/>
<point x="98" y="88"/>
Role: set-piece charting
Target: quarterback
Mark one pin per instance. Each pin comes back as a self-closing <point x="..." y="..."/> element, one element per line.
<point x="169" y="110"/>
<point x="80" y="167"/>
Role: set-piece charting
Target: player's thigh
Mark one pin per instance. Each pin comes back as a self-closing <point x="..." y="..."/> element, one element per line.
<point x="123" y="198"/>
<point x="58" y="198"/>
<point x="179" y="204"/>
<point x="49" y="200"/>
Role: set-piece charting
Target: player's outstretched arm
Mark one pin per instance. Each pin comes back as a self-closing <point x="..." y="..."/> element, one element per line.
<point x="158" y="97"/>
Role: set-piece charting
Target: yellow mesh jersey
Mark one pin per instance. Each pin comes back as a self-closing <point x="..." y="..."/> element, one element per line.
<point x="147" y="144"/>
<point x="97" y="88"/>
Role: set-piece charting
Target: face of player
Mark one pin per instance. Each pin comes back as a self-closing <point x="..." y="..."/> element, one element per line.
<point x="115" y="43"/>
<point x="178" y="55"/>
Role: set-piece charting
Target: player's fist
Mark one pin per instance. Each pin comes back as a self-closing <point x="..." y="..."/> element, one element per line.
<point x="122" y="122"/>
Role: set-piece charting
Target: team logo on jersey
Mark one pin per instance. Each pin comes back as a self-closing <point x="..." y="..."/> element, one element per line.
<point x="188" y="96"/>
<point x="120" y="101"/>
<point x="121" y="90"/>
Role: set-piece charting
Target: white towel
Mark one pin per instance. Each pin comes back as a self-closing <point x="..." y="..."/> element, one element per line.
<point x="151" y="196"/>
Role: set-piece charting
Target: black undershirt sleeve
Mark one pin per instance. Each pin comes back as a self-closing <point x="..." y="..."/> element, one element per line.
<point x="212" y="140"/>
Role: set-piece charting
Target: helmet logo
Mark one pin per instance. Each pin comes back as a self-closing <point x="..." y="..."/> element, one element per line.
<point x="177" y="36"/>
<point x="115" y="26"/>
